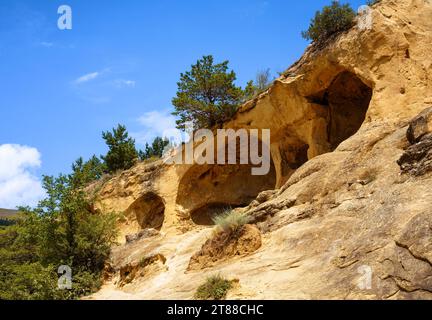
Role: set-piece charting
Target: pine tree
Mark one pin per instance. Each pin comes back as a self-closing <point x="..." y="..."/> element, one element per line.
<point x="122" y="153"/>
<point x="207" y="95"/>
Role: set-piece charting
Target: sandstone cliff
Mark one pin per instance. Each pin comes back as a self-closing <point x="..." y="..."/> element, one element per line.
<point x="349" y="192"/>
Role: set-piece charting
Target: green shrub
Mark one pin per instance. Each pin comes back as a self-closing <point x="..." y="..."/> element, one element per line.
<point x="30" y="281"/>
<point x="214" y="288"/>
<point x="332" y="19"/>
<point x="230" y="221"/>
<point x="33" y="281"/>
<point x="61" y="230"/>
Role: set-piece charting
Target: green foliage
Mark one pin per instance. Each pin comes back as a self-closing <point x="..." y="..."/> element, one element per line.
<point x="29" y="281"/>
<point x="61" y="230"/>
<point x="155" y="150"/>
<point x="250" y="90"/>
<point x="33" y="281"/>
<point x="207" y="95"/>
<point x="87" y="172"/>
<point x="214" y="288"/>
<point x="332" y="19"/>
<point x="6" y="222"/>
<point x="231" y="221"/>
<point x="122" y="153"/>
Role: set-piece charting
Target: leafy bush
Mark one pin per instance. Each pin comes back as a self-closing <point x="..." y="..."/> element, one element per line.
<point x="61" y="230"/>
<point x="230" y="221"/>
<point x="30" y="281"/>
<point x="33" y="281"/>
<point x="214" y="288"/>
<point x="122" y="153"/>
<point x="332" y="19"/>
<point x="207" y="94"/>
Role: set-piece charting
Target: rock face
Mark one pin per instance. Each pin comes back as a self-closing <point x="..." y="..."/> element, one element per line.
<point x="344" y="221"/>
<point x="420" y="126"/>
<point x="226" y="245"/>
<point x="417" y="159"/>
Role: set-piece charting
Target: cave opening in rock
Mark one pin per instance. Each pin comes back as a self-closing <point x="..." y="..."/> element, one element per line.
<point x="204" y="215"/>
<point x="292" y="154"/>
<point x="149" y="211"/>
<point x="206" y="190"/>
<point x="209" y="189"/>
<point x="347" y="99"/>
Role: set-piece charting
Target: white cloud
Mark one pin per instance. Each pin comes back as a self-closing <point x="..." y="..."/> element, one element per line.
<point x="46" y="44"/>
<point x="87" y="77"/>
<point x="18" y="185"/>
<point x="155" y="123"/>
<point x="121" y="83"/>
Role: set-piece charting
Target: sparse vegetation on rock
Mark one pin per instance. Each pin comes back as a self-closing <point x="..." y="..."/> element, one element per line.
<point x="230" y="220"/>
<point x="214" y="288"/>
<point x="331" y="20"/>
<point x="262" y="82"/>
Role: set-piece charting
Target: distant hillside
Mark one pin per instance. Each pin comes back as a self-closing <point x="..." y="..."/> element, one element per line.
<point x="7" y="213"/>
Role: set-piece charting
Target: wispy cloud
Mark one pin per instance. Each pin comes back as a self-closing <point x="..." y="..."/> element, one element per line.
<point x="91" y="76"/>
<point x="46" y="44"/>
<point x="121" y="83"/>
<point x="18" y="185"/>
<point x="87" y="77"/>
<point x="155" y="123"/>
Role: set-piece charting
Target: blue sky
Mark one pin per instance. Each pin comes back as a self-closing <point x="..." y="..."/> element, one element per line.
<point x="120" y="64"/>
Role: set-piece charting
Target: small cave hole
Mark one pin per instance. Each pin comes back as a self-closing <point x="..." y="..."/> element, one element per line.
<point x="205" y="214"/>
<point x="348" y="102"/>
<point x="149" y="211"/>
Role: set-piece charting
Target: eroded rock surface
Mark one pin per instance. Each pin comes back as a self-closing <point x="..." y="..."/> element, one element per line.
<point x="417" y="159"/>
<point x="226" y="245"/>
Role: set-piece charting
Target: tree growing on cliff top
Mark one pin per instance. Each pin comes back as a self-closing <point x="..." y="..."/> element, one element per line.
<point x="155" y="150"/>
<point x="122" y="153"/>
<point x="332" y="19"/>
<point x="207" y="95"/>
<point x="85" y="172"/>
<point x="262" y="82"/>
